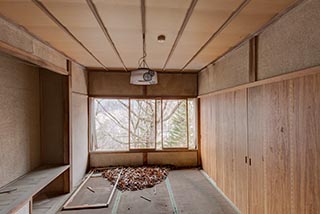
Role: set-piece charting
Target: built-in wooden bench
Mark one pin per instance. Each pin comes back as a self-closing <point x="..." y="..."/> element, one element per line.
<point x="27" y="187"/>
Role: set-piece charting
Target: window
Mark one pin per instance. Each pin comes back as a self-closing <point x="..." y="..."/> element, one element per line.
<point x="157" y="124"/>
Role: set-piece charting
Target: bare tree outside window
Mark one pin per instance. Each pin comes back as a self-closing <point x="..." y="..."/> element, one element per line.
<point x="123" y="124"/>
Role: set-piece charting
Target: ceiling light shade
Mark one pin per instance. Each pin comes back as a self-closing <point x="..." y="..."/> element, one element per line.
<point x="143" y="76"/>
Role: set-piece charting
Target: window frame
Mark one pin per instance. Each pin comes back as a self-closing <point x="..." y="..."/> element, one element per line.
<point x="139" y="150"/>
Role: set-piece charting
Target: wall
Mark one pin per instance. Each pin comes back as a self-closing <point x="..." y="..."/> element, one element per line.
<point x="20" y="118"/>
<point x="16" y="41"/>
<point x="79" y="123"/>
<point x="291" y="43"/>
<point x="234" y="66"/>
<point x="118" y="84"/>
<point x="52" y="117"/>
<point x="261" y="144"/>
<point x="260" y="141"/>
<point x="179" y="159"/>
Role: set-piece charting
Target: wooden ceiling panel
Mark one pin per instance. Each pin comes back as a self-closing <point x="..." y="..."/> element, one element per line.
<point x="163" y="17"/>
<point x="27" y="14"/>
<point x="248" y="21"/>
<point x="207" y="17"/>
<point x="123" y="22"/>
<point x="81" y="22"/>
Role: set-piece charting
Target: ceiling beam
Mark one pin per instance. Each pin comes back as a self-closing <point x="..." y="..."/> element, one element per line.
<point x="65" y="29"/>
<point x="181" y="30"/>
<point x="215" y="34"/>
<point x="103" y="27"/>
<point x="259" y="31"/>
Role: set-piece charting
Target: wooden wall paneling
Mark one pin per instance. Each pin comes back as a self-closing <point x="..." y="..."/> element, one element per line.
<point x="276" y="140"/>
<point x="240" y="151"/>
<point x="219" y="144"/>
<point x="213" y="137"/>
<point x="227" y="139"/>
<point x="203" y="130"/>
<point x="305" y="148"/>
<point x="255" y="142"/>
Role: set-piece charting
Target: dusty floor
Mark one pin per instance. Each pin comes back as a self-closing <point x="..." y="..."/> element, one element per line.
<point x="184" y="191"/>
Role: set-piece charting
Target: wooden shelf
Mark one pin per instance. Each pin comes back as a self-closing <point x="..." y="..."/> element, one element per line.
<point x="27" y="186"/>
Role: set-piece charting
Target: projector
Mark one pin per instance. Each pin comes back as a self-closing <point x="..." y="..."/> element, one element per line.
<point x="143" y="76"/>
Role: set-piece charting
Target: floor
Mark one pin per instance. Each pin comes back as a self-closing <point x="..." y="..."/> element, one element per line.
<point x="184" y="191"/>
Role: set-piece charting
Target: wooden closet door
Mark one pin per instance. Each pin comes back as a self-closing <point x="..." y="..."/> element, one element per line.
<point x="240" y="151"/>
<point x="269" y="148"/>
<point x="306" y="145"/>
<point x="227" y="139"/>
<point x="255" y="144"/>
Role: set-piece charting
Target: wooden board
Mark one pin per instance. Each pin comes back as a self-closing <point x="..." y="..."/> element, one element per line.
<point x="123" y="22"/>
<point x="80" y="156"/>
<point x="249" y="20"/>
<point x="305" y="144"/>
<point x="163" y="18"/>
<point x="27" y="14"/>
<point x="27" y="186"/>
<point x="80" y="21"/>
<point x="207" y="17"/>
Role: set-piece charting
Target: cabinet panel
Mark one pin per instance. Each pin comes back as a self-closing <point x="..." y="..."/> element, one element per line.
<point x="255" y="142"/>
<point x="227" y="123"/>
<point x="240" y="151"/>
<point x="306" y="145"/>
<point x="276" y="140"/>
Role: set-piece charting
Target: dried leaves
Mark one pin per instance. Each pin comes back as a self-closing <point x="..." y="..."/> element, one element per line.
<point x="136" y="178"/>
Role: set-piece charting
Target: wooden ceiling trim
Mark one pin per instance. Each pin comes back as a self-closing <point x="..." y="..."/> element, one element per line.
<point x="273" y="20"/>
<point x="225" y="24"/>
<point x="65" y="29"/>
<point x="181" y="30"/>
<point x="103" y="27"/>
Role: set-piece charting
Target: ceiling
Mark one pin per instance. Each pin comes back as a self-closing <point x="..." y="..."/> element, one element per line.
<point x="108" y="34"/>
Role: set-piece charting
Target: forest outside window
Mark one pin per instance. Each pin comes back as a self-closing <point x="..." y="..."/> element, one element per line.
<point x="154" y="124"/>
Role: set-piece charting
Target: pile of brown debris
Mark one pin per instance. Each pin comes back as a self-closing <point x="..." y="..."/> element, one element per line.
<point x="136" y="178"/>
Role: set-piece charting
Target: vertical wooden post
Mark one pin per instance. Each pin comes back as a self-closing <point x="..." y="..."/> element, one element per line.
<point x="199" y="132"/>
<point x="68" y="129"/>
<point x="253" y="59"/>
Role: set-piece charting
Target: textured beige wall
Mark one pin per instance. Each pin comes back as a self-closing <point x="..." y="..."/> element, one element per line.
<point x="111" y="159"/>
<point x="112" y="84"/>
<point x="176" y="84"/>
<point x="79" y="137"/>
<point x="52" y="117"/>
<point x="292" y="43"/>
<point x="118" y="84"/>
<point x="20" y="119"/>
<point x="232" y="70"/>
<point x="179" y="159"/>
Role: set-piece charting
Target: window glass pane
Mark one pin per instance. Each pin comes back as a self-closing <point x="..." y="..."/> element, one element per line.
<point x="192" y="122"/>
<point x="174" y="116"/>
<point x="142" y="124"/>
<point x="111" y="125"/>
<point x="159" y="128"/>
